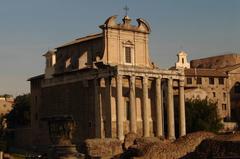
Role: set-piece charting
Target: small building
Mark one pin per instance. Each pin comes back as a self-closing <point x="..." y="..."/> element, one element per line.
<point x="230" y="65"/>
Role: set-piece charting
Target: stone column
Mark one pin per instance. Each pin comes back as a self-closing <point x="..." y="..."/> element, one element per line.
<point x="159" y="111"/>
<point x="145" y="107"/>
<point x="170" y="111"/>
<point x="108" y="92"/>
<point x="182" y="117"/>
<point x="120" y="109"/>
<point x="133" y="123"/>
<point x="97" y="109"/>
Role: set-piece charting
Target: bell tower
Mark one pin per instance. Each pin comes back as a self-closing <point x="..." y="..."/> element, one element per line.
<point x="182" y="60"/>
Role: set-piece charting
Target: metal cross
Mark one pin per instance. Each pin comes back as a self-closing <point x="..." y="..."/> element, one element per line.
<point x="126" y="10"/>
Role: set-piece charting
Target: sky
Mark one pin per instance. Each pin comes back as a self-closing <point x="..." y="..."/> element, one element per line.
<point x="28" y="28"/>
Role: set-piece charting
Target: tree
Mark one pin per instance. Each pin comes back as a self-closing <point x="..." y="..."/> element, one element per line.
<point x="202" y="115"/>
<point x="20" y="114"/>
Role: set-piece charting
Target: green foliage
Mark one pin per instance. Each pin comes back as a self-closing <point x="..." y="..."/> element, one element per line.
<point x="20" y="114"/>
<point x="202" y="115"/>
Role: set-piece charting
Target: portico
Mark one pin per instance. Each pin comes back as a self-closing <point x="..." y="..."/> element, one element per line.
<point x="148" y="87"/>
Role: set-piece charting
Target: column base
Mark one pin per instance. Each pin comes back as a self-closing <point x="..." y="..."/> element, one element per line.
<point x="171" y="138"/>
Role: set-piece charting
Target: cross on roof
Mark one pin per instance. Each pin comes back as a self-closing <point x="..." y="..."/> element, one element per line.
<point x="126" y="10"/>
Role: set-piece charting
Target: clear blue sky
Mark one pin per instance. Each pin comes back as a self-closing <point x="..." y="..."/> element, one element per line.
<point x="28" y="28"/>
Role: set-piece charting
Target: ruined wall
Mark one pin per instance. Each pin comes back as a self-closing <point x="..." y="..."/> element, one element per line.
<point x="216" y="61"/>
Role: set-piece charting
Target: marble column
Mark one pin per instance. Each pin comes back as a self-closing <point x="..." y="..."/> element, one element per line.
<point x="145" y="107"/>
<point x="133" y="122"/>
<point x="97" y="111"/>
<point x="159" y="110"/>
<point x="170" y="111"/>
<point x="120" y="109"/>
<point x="108" y="92"/>
<point x="182" y="117"/>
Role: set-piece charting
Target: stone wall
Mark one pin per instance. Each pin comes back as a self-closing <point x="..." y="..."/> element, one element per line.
<point x="103" y="148"/>
<point x="216" y="61"/>
<point x="75" y="99"/>
<point x="222" y="146"/>
<point x="155" y="148"/>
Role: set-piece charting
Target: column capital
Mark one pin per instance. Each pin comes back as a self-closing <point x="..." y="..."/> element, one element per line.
<point x="181" y="83"/>
<point x="145" y="79"/>
<point x="159" y="77"/>
<point x="119" y="75"/>
<point x="132" y="77"/>
<point x="170" y="80"/>
<point x="158" y="81"/>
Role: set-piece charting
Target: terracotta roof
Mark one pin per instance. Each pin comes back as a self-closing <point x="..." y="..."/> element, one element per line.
<point x="79" y="40"/>
<point x="204" y="72"/>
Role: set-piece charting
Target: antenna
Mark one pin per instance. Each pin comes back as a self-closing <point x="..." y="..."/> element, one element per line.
<point x="126" y="10"/>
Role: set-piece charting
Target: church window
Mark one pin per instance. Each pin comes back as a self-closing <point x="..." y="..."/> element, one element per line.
<point x="211" y="80"/>
<point x="199" y="80"/>
<point x="224" y="96"/>
<point x="189" y="80"/>
<point x="221" y="80"/>
<point x="68" y="63"/>
<point x="49" y="62"/>
<point x="214" y="94"/>
<point x="183" y="60"/>
<point x="128" y="56"/>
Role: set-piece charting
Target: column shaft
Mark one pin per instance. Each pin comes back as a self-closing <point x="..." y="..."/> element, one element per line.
<point x="133" y="123"/>
<point x="97" y="109"/>
<point x="182" y="118"/>
<point x="108" y="92"/>
<point x="159" y="111"/>
<point x="170" y="111"/>
<point x="145" y="108"/>
<point x="120" y="110"/>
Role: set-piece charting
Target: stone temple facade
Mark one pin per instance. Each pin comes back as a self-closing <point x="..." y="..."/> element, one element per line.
<point x="109" y="85"/>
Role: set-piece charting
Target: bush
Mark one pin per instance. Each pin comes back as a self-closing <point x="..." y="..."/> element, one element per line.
<point x="201" y="115"/>
<point x="20" y="114"/>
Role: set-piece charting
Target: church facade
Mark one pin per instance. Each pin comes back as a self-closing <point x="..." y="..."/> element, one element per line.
<point x="109" y="85"/>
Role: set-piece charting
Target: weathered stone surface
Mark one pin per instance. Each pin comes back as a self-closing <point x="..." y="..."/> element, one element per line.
<point x="219" y="146"/>
<point x="103" y="148"/>
<point x="166" y="150"/>
<point x="129" y="140"/>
